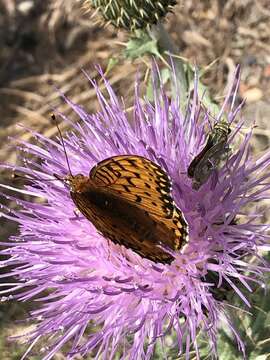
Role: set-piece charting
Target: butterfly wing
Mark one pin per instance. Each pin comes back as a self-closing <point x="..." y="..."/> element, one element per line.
<point x="128" y="199"/>
<point x="141" y="182"/>
<point x="135" y="179"/>
<point x="124" y="224"/>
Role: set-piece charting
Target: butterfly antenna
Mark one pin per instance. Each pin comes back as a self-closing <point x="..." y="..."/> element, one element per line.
<point x="53" y="117"/>
<point x="16" y="176"/>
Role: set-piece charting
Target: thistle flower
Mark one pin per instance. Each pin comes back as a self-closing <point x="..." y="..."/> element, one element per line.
<point x="132" y="14"/>
<point x="106" y="299"/>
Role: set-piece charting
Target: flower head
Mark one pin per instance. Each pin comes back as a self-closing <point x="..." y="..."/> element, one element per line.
<point x="134" y="14"/>
<point x="106" y="298"/>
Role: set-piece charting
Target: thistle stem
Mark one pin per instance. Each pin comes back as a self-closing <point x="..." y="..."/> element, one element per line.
<point x="166" y="44"/>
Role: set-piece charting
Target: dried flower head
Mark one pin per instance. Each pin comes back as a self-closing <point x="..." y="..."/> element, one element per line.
<point x="106" y="299"/>
<point x="132" y="14"/>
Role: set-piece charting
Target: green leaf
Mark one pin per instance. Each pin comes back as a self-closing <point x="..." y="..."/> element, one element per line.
<point x="141" y="45"/>
<point x="260" y="357"/>
<point x="111" y="64"/>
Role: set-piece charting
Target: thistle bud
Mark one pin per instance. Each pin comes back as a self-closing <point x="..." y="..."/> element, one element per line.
<point x="132" y="14"/>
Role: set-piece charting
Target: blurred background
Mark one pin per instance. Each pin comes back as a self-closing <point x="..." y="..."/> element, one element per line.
<point x="45" y="44"/>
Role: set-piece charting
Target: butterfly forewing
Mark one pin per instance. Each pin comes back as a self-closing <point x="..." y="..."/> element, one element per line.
<point x="128" y="199"/>
<point x="142" y="182"/>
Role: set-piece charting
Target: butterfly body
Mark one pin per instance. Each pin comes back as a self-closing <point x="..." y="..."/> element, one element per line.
<point x="128" y="199"/>
<point x="202" y="166"/>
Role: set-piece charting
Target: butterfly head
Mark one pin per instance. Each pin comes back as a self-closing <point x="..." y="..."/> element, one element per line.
<point x="75" y="183"/>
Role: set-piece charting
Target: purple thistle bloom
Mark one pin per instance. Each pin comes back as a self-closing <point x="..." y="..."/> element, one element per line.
<point x="89" y="291"/>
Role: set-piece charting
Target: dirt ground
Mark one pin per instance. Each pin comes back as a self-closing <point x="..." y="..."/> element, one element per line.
<point x="48" y="44"/>
<point x="45" y="44"/>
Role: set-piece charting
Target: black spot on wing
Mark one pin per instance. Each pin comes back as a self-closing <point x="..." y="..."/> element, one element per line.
<point x="137" y="175"/>
<point x="129" y="180"/>
<point x="118" y="163"/>
<point x="104" y="174"/>
<point x="132" y="162"/>
<point x="126" y="188"/>
<point x="111" y="169"/>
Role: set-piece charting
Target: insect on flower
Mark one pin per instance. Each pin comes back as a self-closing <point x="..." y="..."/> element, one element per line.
<point x="124" y="306"/>
<point x="128" y="199"/>
<point x="203" y="165"/>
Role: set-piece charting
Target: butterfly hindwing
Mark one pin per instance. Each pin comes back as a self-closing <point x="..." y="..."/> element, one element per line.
<point x="124" y="224"/>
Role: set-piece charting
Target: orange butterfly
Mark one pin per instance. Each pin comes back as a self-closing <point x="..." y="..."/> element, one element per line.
<point x="128" y="199"/>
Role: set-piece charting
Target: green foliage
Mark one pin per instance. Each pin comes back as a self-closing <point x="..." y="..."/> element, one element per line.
<point x="11" y="350"/>
<point x="141" y="45"/>
<point x="113" y="61"/>
<point x="252" y="325"/>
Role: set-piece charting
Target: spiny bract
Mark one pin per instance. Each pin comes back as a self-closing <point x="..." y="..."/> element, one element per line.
<point x="132" y="14"/>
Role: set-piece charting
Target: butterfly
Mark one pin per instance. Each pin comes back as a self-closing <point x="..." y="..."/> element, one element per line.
<point x="128" y="199"/>
<point x="203" y="165"/>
